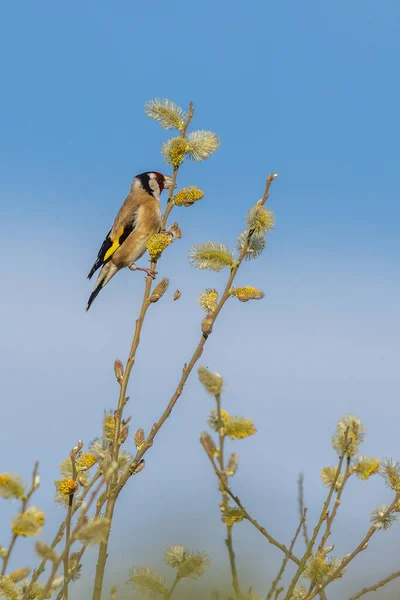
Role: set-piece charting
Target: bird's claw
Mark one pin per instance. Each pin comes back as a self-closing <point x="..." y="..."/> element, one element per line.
<point x="151" y="273"/>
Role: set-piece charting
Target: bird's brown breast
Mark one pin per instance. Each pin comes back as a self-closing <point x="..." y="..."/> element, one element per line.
<point x="148" y="221"/>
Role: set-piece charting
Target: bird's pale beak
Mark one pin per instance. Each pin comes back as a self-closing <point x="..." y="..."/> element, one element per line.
<point x="168" y="182"/>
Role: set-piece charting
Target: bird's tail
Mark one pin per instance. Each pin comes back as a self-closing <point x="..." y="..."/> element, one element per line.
<point x="104" y="277"/>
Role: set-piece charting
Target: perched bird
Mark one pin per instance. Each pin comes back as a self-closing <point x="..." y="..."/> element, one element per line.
<point x="137" y="220"/>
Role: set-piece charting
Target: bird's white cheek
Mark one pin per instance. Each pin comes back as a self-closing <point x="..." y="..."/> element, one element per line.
<point x="155" y="188"/>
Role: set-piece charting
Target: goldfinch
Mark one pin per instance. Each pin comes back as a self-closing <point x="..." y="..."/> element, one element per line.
<point x="137" y="220"/>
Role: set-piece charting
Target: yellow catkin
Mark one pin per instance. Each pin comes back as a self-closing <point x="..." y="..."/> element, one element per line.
<point x="188" y="196"/>
<point x="68" y="487"/>
<point x="230" y="516"/>
<point x="174" y="151"/>
<point x="85" y="461"/>
<point x="156" y="244"/>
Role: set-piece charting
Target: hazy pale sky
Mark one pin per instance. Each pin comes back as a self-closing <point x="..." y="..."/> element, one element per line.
<point x="309" y="89"/>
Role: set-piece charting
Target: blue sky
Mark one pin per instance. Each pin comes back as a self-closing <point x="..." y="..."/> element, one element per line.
<point x="308" y="89"/>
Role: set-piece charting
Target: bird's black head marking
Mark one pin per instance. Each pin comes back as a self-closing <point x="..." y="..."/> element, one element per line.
<point x="144" y="179"/>
<point x="149" y="179"/>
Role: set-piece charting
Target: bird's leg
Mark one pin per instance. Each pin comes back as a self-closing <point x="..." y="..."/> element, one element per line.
<point x="149" y="272"/>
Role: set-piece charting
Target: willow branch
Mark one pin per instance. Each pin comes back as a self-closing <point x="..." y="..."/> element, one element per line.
<point x="317" y="528"/>
<point x="74" y="534"/>
<point x="58" y="537"/>
<point x="331" y="517"/>
<point x="301" y="507"/>
<point x="229" y="540"/>
<point x="169" y="593"/>
<point x="82" y="551"/>
<point x="232" y="560"/>
<point x="188" y="368"/>
<point x="361" y="546"/>
<point x="175" y="171"/>
<point x="113" y="490"/>
<point x="376" y="586"/>
<point x="246" y="515"/>
<point x="68" y="520"/>
<point x="286" y="559"/>
<point x="24" y="504"/>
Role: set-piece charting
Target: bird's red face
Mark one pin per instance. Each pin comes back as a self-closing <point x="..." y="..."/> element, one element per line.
<point x="160" y="180"/>
<point x="154" y="183"/>
<point x="164" y="181"/>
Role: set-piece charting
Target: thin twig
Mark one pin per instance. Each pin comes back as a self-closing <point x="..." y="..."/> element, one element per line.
<point x="112" y="489"/>
<point x="330" y="518"/>
<point x="24" y="504"/>
<point x="246" y="515"/>
<point x="336" y="505"/>
<point x="232" y="561"/>
<point x="221" y="461"/>
<point x="361" y="546"/>
<point x="169" y="593"/>
<point x="301" y="508"/>
<point x="321" y="520"/>
<point x="58" y="537"/>
<point x="376" y="586"/>
<point x="187" y="369"/>
<point x="68" y="520"/>
<point x="278" y="592"/>
<point x="57" y="563"/>
<point x="286" y="559"/>
<point x="170" y="205"/>
<point x="83" y="549"/>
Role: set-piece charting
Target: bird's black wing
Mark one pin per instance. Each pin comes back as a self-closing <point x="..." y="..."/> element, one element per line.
<point x="109" y="246"/>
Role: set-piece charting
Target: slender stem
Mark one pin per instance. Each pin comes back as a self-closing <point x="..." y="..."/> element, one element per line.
<point x="361" y="546"/>
<point x="232" y="560"/>
<point x="81" y="552"/>
<point x="331" y="517"/>
<point x="221" y="434"/>
<point x="189" y="118"/>
<point x="53" y="575"/>
<point x="321" y="520"/>
<point x="7" y="556"/>
<point x="60" y="595"/>
<point x="376" y="586"/>
<point x="112" y="489"/>
<point x="246" y="515"/>
<point x="336" y="505"/>
<point x="58" y="537"/>
<point x="57" y="563"/>
<point x="301" y="507"/>
<point x="170" y="205"/>
<point x="68" y="525"/>
<point x="24" y="504"/>
<point x="229" y="540"/>
<point x="173" y="586"/>
<point x="187" y="369"/>
<point x="286" y="559"/>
